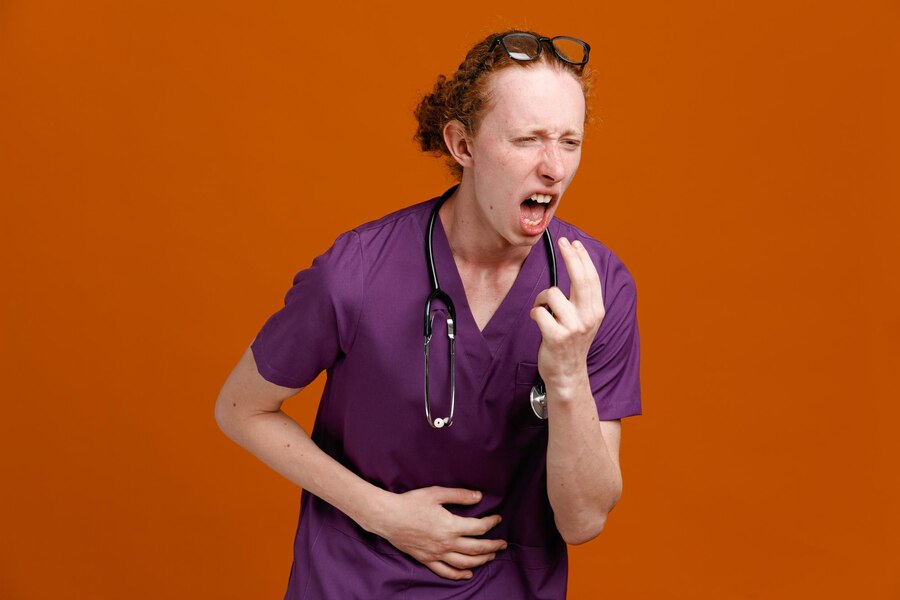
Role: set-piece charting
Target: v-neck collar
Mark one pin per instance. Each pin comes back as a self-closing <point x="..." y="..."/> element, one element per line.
<point x="484" y="345"/>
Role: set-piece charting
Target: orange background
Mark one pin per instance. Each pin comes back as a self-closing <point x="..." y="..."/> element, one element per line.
<point x="166" y="167"/>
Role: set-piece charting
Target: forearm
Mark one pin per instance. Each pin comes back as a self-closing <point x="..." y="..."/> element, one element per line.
<point x="278" y="441"/>
<point x="414" y="522"/>
<point x="583" y="479"/>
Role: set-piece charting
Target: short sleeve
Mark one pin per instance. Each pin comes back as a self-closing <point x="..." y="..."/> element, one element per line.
<point x="614" y="359"/>
<point x="318" y="322"/>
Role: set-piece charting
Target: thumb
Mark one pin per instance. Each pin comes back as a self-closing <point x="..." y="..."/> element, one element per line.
<point x="445" y="495"/>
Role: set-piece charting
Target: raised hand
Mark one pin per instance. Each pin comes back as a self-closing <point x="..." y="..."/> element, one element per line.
<point x="567" y="334"/>
<point x="417" y="523"/>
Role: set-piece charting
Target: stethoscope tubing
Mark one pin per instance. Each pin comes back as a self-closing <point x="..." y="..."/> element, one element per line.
<point x="538" y="393"/>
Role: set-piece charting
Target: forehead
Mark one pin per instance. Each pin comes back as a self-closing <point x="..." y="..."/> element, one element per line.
<point x="539" y="97"/>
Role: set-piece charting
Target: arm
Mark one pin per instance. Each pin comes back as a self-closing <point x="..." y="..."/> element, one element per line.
<point x="248" y="410"/>
<point x="584" y="480"/>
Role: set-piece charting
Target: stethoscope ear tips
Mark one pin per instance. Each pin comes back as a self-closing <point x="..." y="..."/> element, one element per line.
<point x="438" y="423"/>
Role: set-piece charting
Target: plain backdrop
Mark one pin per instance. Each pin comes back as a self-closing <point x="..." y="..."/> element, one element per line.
<point x="166" y="168"/>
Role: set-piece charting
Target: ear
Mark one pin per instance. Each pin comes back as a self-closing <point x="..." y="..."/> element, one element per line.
<point x="457" y="141"/>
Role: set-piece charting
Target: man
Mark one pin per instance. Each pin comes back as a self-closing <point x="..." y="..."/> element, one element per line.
<point x="481" y="501"/>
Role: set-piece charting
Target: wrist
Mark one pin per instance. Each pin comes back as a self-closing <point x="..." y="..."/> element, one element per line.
<point x="374" y="510"/>
<point x="568" y="389"/>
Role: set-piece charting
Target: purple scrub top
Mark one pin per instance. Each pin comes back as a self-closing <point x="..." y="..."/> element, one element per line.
<point x="358" y="313"/>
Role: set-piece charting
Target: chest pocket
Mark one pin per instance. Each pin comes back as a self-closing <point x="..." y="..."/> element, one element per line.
<point x="522" y="415"/>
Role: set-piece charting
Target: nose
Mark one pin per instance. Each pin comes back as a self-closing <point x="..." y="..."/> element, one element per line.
<point x="551" y="168"/>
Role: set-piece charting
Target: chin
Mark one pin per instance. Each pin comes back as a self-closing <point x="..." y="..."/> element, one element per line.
<point x="522" y="240"/>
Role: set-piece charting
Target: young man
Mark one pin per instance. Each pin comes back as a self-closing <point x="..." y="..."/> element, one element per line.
<point x="478" y="499"/>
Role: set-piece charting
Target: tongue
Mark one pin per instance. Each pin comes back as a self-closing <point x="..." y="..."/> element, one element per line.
<point x="532" y="211"/>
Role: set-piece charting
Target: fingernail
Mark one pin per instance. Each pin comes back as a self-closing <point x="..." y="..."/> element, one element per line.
<point x="577" y="244"/>
<point x="563" y="241"/>
<point x="476" y="495"/>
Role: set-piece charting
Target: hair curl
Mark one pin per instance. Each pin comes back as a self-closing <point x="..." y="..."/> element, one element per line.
<point x="464" y="98"/>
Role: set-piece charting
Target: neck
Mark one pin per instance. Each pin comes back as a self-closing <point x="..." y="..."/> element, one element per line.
<point x="472" y="240"/>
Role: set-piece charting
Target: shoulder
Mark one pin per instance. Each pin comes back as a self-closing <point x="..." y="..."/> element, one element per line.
<point x="412" y="218"/>
<point x="355" y="252"/>
<point x="414" y="213"/>
<point x="397" y="236"/>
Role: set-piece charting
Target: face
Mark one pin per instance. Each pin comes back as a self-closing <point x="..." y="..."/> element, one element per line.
<point x="528" y="143"/>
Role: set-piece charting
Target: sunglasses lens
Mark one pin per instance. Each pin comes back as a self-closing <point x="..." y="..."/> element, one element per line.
<point x="522" y="46"/>
<point x="570" y="50"/>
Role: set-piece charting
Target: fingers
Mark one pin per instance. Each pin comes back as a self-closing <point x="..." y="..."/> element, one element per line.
<point x="467" y="561"/>
<point x="466" y="526"/>
<point x="574" y="267"/>
<point x="439" y="538"/>
<point x="545" y="321"/>
<point x="455" y="565"/>
<point x="563" y="310"/>
<point x="592" y="277"/>
<point x="448" y="572"/>
<point x="471" y="553"/>
<point x="475" y="546"/>
<point x="582" y="292"/>
<point x="586" y="293"/>
<point x="444" y="495"/>
<point x="470" y="526"/>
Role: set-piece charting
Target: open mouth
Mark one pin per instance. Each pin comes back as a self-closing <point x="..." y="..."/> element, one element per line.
<point x="533" y="213"/>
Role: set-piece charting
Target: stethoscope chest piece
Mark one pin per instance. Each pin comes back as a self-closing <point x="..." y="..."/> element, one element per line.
<point x="539" y="401"/>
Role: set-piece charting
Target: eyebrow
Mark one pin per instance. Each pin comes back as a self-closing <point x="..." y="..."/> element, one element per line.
<point x="546" y="133"/>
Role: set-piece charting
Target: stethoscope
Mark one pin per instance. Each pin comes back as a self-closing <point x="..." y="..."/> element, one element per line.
<point x="538" y="397"/>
